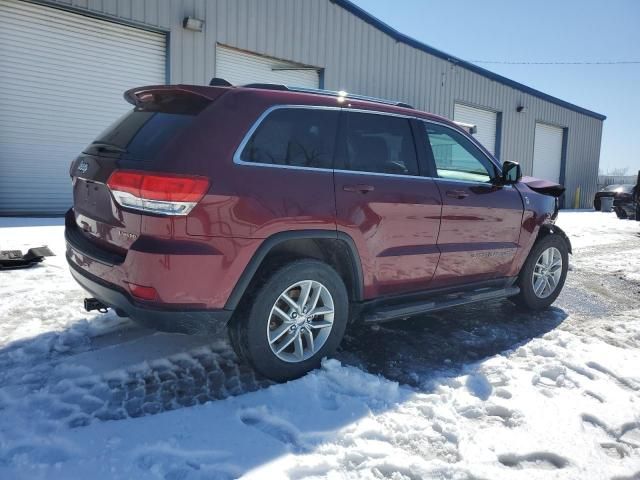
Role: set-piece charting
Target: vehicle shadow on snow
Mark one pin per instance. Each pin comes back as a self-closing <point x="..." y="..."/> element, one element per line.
<point x="145" y="373"/>
<point x="415" y="350"/>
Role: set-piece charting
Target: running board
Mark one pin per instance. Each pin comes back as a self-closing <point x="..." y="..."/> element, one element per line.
<point x="396" y="312"/>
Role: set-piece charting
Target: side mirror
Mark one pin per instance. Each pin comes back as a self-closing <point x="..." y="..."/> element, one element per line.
<point x="511" y="172"/>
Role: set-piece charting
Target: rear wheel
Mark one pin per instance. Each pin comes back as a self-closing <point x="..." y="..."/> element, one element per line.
<point x="543" y="273"/>
<point x="293" y="320"/>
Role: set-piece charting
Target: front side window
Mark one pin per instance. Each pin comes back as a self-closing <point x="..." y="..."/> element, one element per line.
<point x="379" y="144"/>
<point x="456" y="158"/>
<point x="297" y="137"/>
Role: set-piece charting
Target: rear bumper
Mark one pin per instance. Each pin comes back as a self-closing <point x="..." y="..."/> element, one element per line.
<point x="193" y="278"/>
<point x="188" y="273"/>
<point x="171" y="320"/>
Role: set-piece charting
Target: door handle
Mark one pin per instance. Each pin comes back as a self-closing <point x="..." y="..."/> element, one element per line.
<point x="459" y="194"/>
<point x="360" y="188"/>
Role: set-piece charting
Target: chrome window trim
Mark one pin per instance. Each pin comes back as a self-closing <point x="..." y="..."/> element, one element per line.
<point x="471" y="182"/>
<point x="381" y="174"/>
<point x="238" y="160"/>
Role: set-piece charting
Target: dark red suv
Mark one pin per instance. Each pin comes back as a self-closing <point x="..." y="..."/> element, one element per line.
<point x="284" y="215"/>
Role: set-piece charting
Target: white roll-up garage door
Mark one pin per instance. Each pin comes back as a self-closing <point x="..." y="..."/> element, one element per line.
<point x="547" y="152"/>
<point x="62" y="76"/>
<point x="486" y="122"/>
<point x="239" y="68"/>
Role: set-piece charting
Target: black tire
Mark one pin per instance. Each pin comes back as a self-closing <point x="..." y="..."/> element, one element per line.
<point x="596" y="204"/>
<point x="527" y="298"/>
<point x="247" y="330"/>
<point x="620" y="213"/>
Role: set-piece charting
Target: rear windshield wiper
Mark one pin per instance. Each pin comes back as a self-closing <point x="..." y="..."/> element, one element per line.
<point x="108" y="147"/>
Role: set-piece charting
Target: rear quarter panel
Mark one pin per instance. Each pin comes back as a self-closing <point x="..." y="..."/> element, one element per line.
<point x="252" y="201"/>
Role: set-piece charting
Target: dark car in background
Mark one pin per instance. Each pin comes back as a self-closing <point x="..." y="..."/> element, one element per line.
<point x="284" y="215"/>
<point x="615" y="191"/>
<point x="625" y="203"/>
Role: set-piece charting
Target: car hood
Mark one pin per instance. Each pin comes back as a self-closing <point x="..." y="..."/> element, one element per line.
<point x="546" y="187"/>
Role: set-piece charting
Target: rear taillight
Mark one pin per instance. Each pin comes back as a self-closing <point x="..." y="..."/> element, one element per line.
<point x="164" y="194"/>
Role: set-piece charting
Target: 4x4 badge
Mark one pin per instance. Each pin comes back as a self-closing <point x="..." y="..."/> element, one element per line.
<point x="83" y="166"/>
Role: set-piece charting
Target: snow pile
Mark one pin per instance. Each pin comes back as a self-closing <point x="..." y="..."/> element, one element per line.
<point x="92" y="396"/>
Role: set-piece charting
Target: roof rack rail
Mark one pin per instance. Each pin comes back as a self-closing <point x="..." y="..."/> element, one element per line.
<point x="330" y="93"/>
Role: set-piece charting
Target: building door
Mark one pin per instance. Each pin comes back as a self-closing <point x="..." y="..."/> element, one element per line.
<point x="481" y="219"/>
<point x="62" y="76"/>
<point x="486" y="122"/>
<point x="240" y="68"/>
<point x="382" y="202"/>
<point x="547" y="152"/>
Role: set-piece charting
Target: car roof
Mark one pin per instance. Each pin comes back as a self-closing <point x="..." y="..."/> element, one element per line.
<point x="282" y="94"/>
<point x="338" y="99"/>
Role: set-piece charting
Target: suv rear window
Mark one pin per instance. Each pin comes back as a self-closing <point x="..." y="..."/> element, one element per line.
<point x="299" y="137"/>
<point x="139" y="135"/>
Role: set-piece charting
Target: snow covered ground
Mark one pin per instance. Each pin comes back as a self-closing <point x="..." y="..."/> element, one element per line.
<point x="480" y="392"/>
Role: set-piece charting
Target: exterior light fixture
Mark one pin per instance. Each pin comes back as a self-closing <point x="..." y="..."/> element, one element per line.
<point x="193" y="24"/>
<point x="521" y="109"/>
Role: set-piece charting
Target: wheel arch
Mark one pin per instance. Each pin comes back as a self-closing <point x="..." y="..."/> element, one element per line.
<point x="319" y="244"/>
<point x="551" y="229"/>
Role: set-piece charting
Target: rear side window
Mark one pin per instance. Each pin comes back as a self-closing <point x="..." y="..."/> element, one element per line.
<point x="299" y="137"/>
<point x="379" y="144"/>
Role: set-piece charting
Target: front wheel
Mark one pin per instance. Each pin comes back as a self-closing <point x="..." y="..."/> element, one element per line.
<point x="543" y="273"/>
<point x="297" y="317"/>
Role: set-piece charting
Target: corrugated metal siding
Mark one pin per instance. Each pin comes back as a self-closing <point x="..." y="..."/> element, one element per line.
<point x="359" y="58"/>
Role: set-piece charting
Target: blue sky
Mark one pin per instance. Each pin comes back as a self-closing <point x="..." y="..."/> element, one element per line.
<point x="543" y="30"/>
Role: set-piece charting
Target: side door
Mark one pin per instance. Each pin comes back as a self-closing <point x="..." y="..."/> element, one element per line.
<point x="481" y="219"/>
<point x="391" y="212"/>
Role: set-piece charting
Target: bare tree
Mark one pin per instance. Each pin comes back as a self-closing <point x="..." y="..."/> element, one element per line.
<point x="617" y="172"/>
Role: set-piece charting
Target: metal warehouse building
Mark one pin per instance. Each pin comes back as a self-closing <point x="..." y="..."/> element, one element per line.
<point x="64" y="65"/>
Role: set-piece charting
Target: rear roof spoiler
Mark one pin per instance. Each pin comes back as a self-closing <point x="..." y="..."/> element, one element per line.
<point x="140" y="95"/>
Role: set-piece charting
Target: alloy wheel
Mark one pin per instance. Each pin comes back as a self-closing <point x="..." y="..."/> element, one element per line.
<point x="300" y="321"/>
<point x="547" y="272"/>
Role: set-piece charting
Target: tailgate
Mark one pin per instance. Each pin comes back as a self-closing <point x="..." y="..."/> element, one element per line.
<point x="133" y="142"/>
